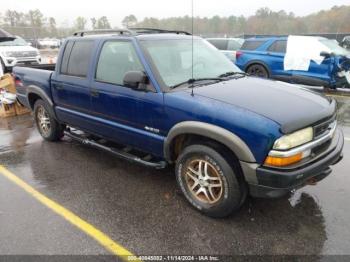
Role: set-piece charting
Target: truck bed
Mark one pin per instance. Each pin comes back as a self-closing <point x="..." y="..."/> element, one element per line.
<point x="33" y="76"/>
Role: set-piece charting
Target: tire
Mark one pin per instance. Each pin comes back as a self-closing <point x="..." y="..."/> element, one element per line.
<point x="224" y="193"/>
<point x="258" y="70"/>
<point x="48" y="127"/>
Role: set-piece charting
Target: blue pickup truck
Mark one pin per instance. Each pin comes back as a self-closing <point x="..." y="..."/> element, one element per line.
<point x="143" y="95"/>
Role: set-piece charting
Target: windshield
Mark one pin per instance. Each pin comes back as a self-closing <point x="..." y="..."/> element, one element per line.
<point x="334" y="47"/>
<point x="172" y="60"/>
<point x="17" y="42"/>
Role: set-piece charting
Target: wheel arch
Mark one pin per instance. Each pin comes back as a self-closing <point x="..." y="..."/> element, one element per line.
<point x="177" y="135"/>
<point x="258" y="62"/>
<point x="34" y="93"/>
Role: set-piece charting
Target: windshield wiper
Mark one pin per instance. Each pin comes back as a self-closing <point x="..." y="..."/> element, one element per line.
<point x="191" y="81"/>
<point x="227" y="74"/>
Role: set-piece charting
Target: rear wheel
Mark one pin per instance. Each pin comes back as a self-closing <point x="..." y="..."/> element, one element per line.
<point x="258" y="70"/>
<point x="47" y="125"/>
<point x="208" y="182"/>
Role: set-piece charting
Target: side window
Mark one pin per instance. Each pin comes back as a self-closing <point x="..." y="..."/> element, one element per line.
<point x="116" y="59"/>
<point x="220" y="44"/>
<point x="278" y="47"/>
<point x="79" y="59"/>
<point x="76" y="58"/>
<point x="65" y="58"/>
<point x="252" y="44"/>
<point x="233" y="45"/>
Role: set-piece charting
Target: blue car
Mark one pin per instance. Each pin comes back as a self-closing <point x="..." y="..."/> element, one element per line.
<point x="143" y="95"/>
<point x="264" y="57"/>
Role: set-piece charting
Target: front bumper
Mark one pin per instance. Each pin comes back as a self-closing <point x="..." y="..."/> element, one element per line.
<point x="13" y="61"/>
<point x="273" y="182"/>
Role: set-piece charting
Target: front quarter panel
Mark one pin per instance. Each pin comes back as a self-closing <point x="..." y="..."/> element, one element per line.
<point x="257" y="132"/>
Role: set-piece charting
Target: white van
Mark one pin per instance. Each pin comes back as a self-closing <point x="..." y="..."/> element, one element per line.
<point x="17" y="52"/>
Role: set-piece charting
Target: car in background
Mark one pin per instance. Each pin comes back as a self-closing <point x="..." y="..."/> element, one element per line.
<point x="228" y="46"/>
<point x="52" y="43"/>
<point x="264" y="57"/>
<point x="346" y="42"/>
<point x="17" y="52"/>
<point x="33" y="42"/>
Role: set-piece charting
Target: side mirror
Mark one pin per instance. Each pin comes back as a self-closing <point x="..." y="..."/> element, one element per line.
<point x="325" y="54"/>
<point x="135" y="79"/>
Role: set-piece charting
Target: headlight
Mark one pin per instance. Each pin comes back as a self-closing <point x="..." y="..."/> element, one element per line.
<point x="295" y="139"/>
<point x="281" y="155"/>
<point x="8" y="54"/>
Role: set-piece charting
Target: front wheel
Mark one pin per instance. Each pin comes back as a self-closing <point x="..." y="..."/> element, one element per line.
<point x="47" y="125"/>
<point x="208" y="181"/>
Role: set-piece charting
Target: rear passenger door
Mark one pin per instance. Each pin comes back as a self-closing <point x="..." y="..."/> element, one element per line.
<point x="276" y="53"/>
<point x="71" y="83"/>
<point x="124" y="114"/>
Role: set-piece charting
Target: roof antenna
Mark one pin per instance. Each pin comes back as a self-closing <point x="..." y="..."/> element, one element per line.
<point x="192" y="94"/>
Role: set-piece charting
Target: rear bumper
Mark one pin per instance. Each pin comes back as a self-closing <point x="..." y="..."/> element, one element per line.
<point x="278" y="182"/>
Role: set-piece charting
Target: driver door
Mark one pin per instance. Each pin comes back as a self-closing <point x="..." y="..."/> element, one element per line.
<point x="124" y="114"/>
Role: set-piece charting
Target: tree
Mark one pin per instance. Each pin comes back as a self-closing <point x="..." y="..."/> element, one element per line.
<point x="52" y="26"/>
<point x="14" y="18"/>
<point x="10" y="18"/>
<point x="35" y="18"/>
<point x="80" y="23"/>
<point x="93" y="22"/>
<point x="129" y="21"/>
<point x="103" y="23"/>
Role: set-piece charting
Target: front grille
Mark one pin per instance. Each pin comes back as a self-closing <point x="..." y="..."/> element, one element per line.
<point x="323" y="128"/>
<point x="321" y="148"/>
<point x="20" y="54"/>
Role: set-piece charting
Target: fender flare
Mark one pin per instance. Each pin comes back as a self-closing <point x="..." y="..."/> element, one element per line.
<point x="225" y="137"/>
<point x="32" y="89"/>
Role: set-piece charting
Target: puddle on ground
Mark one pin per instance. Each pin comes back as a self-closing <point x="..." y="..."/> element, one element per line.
<point x="16" y="132"/>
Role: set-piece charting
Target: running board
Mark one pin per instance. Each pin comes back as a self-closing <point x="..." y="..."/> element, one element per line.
<point x="119" y="153"/>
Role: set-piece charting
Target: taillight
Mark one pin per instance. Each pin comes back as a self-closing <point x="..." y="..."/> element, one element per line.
<point x="17" y="80"/>
<point x="238" y="54"/>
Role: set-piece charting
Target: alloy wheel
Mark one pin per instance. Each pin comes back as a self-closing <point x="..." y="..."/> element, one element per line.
<point x="204" y="181"/>
<point x="43" y="121"/>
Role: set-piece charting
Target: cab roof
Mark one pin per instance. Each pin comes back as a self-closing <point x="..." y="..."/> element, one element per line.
<point x="141" y="33"/>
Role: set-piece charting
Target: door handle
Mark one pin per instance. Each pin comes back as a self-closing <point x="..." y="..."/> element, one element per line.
<point x="94" y="92"/>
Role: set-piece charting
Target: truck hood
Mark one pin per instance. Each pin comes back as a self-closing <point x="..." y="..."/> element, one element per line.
<point x="290" y="106"/>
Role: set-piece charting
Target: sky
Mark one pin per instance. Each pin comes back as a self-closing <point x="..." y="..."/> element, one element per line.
<point x="65" y="11"/>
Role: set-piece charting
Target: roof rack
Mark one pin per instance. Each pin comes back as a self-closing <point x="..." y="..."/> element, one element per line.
<point x="129" y="31"/>
<point x="146" y="30"/>
<point x="103" y="31"/>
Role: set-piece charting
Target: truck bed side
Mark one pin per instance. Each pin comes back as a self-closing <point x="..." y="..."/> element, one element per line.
<point x="32" y="82"/>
